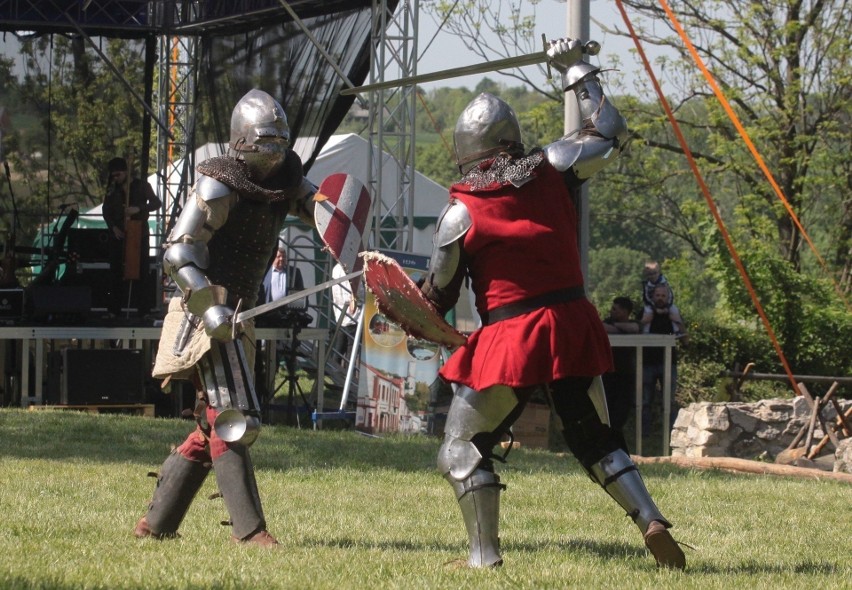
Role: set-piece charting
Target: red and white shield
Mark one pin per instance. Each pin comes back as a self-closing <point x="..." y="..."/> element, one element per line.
<point x="401" y="301"/>
<point x="341" y="212"/>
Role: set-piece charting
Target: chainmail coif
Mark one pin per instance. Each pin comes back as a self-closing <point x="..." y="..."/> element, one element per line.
<point x="503" y="169"/>
<point x="234" y="173"/>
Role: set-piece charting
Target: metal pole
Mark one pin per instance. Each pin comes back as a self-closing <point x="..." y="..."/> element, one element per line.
<point x="577" y="26"/>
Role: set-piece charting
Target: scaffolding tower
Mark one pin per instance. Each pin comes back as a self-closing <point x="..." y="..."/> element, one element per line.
<point x="391" y="120"/>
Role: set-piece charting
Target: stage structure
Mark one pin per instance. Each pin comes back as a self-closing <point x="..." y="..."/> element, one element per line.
<point x="210" y="53"/>
<point x="206" y="55"/>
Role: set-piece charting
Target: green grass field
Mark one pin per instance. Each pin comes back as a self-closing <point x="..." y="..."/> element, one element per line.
<point x="358" y="512"/>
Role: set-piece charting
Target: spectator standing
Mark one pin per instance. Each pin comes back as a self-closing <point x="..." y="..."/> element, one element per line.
<point x="661" y="317"/>
<point x="128" y="199"/>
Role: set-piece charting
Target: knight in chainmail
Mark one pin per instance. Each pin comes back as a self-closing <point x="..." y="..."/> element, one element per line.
<point x="510" y="227"/>
<point x="217" y="254"/>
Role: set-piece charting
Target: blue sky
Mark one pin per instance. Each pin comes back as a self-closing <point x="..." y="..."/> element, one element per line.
<point x="551" y="19"/>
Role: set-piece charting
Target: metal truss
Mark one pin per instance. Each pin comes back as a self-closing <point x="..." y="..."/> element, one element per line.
<point x="178" y="90"/>
<point x="392" y="130"/>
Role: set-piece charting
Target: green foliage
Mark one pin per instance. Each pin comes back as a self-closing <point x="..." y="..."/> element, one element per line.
<point x="77" y="115"/>
<point x="435" y="162"/>
<point x="809" y="319"/>
<point x="615" y="272"/>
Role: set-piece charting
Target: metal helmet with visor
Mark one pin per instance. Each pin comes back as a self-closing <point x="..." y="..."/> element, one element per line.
<point x="259" y="133"/>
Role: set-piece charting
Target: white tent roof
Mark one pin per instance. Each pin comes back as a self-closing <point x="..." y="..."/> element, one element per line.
<point x="349" y="153"/>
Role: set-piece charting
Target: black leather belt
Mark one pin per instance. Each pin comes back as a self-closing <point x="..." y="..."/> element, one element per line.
<point x="511" y="310"/>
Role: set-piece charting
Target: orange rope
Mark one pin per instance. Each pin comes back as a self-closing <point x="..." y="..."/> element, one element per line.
<point x="706" y="191"/>
<point x="747" y="139"/>
<point x="435" y="125"/>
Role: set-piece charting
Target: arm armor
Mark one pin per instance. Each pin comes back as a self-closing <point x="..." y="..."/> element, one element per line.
<point x="604" y="130"/>
<point x="446" y="271"/>
<point x="186" y="258"/>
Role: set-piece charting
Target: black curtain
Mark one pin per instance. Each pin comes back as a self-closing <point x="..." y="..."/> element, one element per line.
<point x="281" y="60"/>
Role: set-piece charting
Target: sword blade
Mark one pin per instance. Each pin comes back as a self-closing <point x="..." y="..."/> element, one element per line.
<point x="489" y="66"/>
<point x="262" y="309"/>
<point x="589" y="48"/>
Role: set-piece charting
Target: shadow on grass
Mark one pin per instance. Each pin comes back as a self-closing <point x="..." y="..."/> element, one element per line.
<point x="807" y="568"/>
<point x="114" y="438"/>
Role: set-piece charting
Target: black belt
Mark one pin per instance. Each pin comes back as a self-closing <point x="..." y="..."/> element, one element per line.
<point x="511" y="310"/>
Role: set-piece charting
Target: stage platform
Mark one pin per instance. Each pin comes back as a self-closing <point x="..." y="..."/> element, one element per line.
<point x="25" y="349"/>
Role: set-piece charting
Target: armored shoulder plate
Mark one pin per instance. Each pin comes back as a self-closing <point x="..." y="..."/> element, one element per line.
<point x="208" y="188"/>
<point x="453" y="223"/>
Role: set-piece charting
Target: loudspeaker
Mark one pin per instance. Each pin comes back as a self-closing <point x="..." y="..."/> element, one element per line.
<point x="60" y="304"/>
<point x="102" y="377"/>
<point x="98" y="278"/>
<point x="89" y="244"/>
<point x="11" y="304"/>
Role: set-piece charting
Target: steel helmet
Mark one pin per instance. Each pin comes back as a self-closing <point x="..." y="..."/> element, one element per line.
<point x="259" y="133"/>
<point x="486" y="127"/>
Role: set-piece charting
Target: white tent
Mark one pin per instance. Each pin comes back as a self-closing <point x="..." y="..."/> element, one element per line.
<point x="349" y="153"/>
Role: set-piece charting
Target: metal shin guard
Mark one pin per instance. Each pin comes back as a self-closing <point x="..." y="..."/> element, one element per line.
<point x="235" y="477"/>
<point x="178" y="482"/>
<point x="229" y="384"/>
<point x="618" y="475"/>
<point x="479" y="500"/>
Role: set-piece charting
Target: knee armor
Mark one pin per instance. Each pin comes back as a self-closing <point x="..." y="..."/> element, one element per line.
<point x="471" y="413"/>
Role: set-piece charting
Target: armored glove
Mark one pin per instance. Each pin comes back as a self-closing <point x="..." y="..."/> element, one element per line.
<point x="564" y="53"/>
<point x="218" y="322"/>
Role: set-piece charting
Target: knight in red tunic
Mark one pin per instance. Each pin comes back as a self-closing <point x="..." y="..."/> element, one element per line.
<point x="510" y="228"/>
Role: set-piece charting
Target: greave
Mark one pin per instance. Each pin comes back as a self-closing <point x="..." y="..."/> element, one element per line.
<point x="235" y="477"/>
<point x="479" y="500"/>
<point x="618" y="475"/>
<point x="178" y="482"/>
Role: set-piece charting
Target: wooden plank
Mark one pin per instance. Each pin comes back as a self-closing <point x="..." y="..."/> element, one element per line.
<point x="746" y="466"/>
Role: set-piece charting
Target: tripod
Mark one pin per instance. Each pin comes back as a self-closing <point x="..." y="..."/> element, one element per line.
<point x="295" y="320"/>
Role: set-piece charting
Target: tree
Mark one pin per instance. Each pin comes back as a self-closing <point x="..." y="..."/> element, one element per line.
<point x="784" y="67"/>
<point x="84" y="117"/>
<point x="513" y="25"/>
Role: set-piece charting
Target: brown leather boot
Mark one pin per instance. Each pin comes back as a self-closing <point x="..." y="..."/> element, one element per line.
<point x="260" y="538"/>
<point x="663" y="547"/>
<point x="143" y="530"/>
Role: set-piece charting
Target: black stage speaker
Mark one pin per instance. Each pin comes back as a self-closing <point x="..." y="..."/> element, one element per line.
<point x="98" y="278"/>
<point x="11" y="304"/>
<point x="60" y="304"/>
<point x="89" y="244"/>
<point x="102" y="377"/>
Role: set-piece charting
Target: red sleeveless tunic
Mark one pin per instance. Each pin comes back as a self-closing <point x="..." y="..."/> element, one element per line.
<point x="523" y="243"/>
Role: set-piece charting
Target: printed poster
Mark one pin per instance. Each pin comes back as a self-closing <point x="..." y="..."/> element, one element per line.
<point x="396" y="371"/>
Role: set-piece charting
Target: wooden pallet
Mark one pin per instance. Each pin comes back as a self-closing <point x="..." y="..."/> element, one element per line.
<point x="146" y="410"/>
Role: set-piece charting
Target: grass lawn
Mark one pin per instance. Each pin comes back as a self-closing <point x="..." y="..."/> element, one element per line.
<point x="358" y="512"/>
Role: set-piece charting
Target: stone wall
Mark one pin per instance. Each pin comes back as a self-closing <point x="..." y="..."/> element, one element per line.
<point x="743" y="430"/>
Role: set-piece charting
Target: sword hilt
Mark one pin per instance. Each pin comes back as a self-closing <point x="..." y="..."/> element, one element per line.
<point x="589" y="48"/>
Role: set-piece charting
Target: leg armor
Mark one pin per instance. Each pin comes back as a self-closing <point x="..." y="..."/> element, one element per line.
<point x="619" y="476"/>
<point x="235" y="477"/>
<point x="178" y="482"/>
<point x="227" y="379"/>
<point x="474" y="424"/>
<point x="603" y="453"/>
